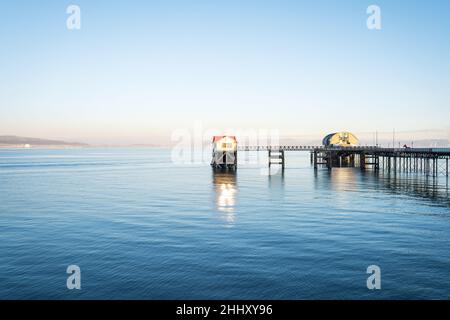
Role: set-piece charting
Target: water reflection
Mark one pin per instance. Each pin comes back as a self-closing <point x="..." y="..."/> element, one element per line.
<point x="276" y="179"/>
<point x="276" y="185"/>
<point x="346" y="181"/>
<point x="225" y="189"/>
<point x="341" y="184"/>
<point x="338" y="179"/>
<point x="416" y="185"/>
<point x="343" y="179"/>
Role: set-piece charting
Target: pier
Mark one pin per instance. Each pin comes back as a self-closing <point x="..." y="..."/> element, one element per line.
<point x="340" y="149"/>
<point x="429" y="161"/>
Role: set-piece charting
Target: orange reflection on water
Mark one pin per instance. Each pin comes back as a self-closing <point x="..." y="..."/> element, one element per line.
<point x="225" y="188"/>
<point x="343" y="179"/>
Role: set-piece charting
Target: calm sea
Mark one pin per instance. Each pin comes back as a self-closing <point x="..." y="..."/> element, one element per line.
<point x="140" y="227"/>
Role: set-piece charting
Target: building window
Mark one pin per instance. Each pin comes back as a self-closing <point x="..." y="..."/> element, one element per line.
<point x="226" y="145"/>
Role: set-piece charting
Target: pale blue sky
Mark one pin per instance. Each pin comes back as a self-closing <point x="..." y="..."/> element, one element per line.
<point x="137" y="70"/>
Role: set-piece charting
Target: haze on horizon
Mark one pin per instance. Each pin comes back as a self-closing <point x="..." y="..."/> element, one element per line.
<point x="138" y="70"/>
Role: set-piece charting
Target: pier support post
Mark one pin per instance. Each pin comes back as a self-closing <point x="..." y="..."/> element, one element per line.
<point x="329" y="160"/>
<point x="446" y="167"/>
<point x="362" y="161"/>
<point x="395" y="164"/>
<point x="433" y="173"/>
<point x="389" y="164"/>
<point x="436" y="165"/>
<point x="315" y="159"/>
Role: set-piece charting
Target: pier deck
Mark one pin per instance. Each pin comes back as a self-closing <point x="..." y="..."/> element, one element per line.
<point x="430" y="161"/>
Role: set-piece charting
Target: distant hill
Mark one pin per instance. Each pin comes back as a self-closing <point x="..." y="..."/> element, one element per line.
<point x="14" y="141"/>
<point x="432" y="143"/>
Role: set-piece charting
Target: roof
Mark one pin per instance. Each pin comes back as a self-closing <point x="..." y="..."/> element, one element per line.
<point x="327" y="138"/>
<point x="217" y="138"/>
<point x="340" y="138"/>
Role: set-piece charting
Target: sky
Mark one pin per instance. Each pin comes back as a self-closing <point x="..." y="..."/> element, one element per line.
<point x="137" y="71"/>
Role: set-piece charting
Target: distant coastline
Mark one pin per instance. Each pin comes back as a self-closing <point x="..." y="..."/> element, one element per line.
<point x="16" y="142"/>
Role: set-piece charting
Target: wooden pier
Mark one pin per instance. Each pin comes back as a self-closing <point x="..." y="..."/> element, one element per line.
<point x="429" y="161"/>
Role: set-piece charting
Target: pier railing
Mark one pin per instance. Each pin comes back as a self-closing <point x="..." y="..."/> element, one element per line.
<point x="440" y="151"/>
